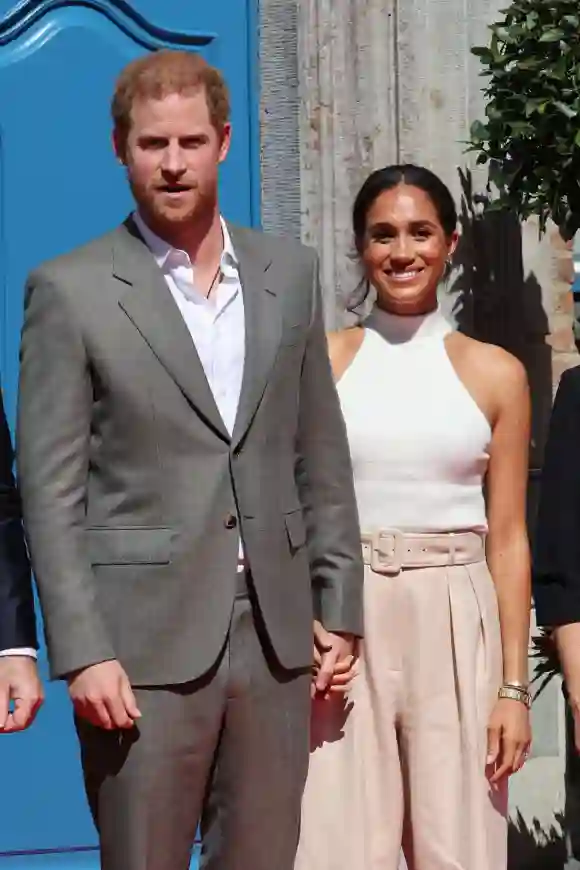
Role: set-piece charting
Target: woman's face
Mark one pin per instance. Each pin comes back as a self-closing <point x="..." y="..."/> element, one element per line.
<point x="405" y="249"/>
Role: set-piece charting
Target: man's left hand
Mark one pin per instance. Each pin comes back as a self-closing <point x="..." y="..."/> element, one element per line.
<point x="334" y="658"/>
<point x="19" y="683"/>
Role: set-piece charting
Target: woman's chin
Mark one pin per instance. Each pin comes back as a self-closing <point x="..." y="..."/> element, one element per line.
<point x="411" y="299"/>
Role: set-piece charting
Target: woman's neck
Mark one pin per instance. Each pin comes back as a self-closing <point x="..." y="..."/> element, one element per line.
<point x="403" y="328"/>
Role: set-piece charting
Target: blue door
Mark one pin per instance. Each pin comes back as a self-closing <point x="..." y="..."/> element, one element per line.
<point x="59" y="187"/>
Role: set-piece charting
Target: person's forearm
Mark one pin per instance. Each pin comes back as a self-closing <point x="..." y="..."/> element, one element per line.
<point x="510" y="569"/>
<point x="568" y="644"/>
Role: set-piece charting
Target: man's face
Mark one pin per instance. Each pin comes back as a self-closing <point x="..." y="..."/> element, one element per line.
<point x="172" y="154"/>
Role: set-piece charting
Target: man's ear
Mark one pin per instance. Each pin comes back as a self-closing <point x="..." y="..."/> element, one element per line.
<point x="119" y="146"/>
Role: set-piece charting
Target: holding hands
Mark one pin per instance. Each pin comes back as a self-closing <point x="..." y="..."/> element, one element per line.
<point x="335" y="657"/>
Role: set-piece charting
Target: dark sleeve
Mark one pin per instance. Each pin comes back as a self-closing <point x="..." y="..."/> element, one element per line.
<point x="325" y="484"/>
<point x="556" y="572"/>
<point x="17" y="623"/>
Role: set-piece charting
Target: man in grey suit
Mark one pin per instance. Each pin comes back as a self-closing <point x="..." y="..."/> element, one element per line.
<point x="188" y="497"/>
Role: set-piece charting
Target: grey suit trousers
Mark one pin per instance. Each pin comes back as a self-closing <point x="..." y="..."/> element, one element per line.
<point x="230" y="748"/>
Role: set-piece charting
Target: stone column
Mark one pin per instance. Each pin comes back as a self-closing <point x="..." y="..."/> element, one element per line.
<point x="279" y="111"/>
<point x="348" y="123"/>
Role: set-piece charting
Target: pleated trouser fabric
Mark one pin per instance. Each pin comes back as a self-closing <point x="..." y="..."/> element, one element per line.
<point x="400" y="762"/>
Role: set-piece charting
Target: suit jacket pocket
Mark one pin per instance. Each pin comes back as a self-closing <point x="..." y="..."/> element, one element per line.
<point x="143" y="545"/>
<point x="295" y="528"/>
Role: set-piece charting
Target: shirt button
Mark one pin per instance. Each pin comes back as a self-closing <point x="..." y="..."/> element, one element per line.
<point x="230" y="521"/>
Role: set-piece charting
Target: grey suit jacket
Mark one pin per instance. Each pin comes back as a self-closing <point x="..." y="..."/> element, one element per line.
<point x="131" y="483"/>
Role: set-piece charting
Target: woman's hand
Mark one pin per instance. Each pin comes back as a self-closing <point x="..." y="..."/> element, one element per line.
<point x="337" y="673"/>
<point x="509" y="737"/>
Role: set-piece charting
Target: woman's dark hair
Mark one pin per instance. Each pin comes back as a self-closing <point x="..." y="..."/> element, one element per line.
<point x="386" y="179"/>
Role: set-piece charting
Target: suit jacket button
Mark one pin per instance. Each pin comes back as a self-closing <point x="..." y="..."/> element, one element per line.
<point x="230" y="521"/>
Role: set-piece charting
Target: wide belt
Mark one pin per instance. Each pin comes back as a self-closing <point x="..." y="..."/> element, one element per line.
<point x="389" y="551"/>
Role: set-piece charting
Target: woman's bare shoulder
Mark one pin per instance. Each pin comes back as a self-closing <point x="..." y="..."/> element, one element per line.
<point x="340" y="340"/>
<point x="342" y="347"/>
<point x="503" y="373"/>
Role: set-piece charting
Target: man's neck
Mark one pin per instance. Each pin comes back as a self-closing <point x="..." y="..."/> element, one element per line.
<point x="202" y="241"/>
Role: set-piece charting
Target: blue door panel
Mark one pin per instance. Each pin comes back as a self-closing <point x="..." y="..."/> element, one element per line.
<point x="75" y="859"/>
<point x="60" y="186"/>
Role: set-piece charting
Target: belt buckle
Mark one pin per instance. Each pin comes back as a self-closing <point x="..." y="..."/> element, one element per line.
<point x="386" y="561"/>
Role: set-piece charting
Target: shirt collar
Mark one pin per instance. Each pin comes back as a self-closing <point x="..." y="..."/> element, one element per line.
<point x="162" y="250"/>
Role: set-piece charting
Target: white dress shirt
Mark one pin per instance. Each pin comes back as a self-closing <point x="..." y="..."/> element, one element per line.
<point x="216" y="324"/>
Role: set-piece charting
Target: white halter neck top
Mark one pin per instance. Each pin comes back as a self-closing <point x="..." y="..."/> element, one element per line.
<point x="419" y="442"/>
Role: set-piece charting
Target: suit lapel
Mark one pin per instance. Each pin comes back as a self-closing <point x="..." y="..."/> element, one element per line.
<point x="147" y="301"/>
<point x="263" y="326"/>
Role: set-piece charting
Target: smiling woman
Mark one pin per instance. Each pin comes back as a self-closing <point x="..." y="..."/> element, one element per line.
<point x="439" y="709"/>
<point x="404" y="240"/>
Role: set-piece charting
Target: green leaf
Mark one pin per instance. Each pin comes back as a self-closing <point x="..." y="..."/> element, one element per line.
<point x="484" y="53"/>
<point x="531" y="20"/>
<point x="577" y="139"/>
<point x="552" y="35"/>
<point x="565" y="109"/>
<point x="502" y="34"/>
<point x="532" y="63"/>
<point x="479" y="131"/>
<point x="533" y="106"/>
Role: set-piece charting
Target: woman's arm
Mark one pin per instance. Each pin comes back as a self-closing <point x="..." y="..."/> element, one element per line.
<point x="507" y="545"/>
<point x="509" y="734"/>
<point x="342" y="349"/>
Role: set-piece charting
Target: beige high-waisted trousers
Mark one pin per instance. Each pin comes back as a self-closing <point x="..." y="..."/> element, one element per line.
<point x="401" y="761"/>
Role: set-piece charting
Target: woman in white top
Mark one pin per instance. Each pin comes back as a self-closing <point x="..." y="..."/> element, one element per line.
<point x="415" y="751"/>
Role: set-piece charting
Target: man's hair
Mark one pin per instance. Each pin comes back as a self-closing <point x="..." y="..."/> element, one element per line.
<point x="161" y="73"/>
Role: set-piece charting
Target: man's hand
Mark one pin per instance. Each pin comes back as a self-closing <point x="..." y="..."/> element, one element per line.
<point x="567" y="638"/>
<point x="102" y="695"/>
<point x="19" y="683"/>
<point x="574" y="705"/>
<point x="334" y="659"/>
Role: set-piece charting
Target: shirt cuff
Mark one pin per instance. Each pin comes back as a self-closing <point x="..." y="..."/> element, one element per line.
<point x="19" y="651"/>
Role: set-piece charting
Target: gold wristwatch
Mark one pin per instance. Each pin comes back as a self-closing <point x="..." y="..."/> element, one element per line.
<point x="516" y="693"/>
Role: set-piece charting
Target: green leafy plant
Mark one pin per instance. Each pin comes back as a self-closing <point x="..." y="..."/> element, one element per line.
<point x="530" y="137"/>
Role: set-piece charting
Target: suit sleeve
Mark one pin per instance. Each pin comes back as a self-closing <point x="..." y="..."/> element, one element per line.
<point x="17" y="622"/>
<point x="54" y="425"/>
<point x="557" y="541"/>
<point x="325" y="484"/>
